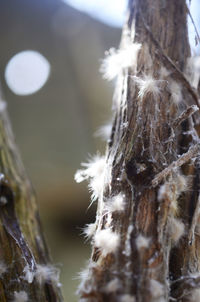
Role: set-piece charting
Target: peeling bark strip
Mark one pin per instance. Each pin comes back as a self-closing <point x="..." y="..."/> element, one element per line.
<point x="148" y="248"/>
<point x="25" y="274"/>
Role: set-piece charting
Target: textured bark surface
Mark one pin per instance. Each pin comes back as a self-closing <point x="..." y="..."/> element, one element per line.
<point x="154" y="144"/>
<point x="22" y="245"/>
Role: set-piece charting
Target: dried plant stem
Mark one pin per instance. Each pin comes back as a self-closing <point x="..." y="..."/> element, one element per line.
<point x="192" y="153"/>
<point x="22" y="246"/>
<point x="150" y="162"/>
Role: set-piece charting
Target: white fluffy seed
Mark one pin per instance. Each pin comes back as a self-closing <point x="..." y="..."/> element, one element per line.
<point x="176" y="93"/>
<point x="164" y="72"/>
<point x="156" y="288"/>
<point x="104" y="131"/>
<point x="117" y="60"/>
<point x="94" y="172"/>
<point x="142" y="242"/>
<point x="28" y="274"/>
<point x="163" y="190"/>
<point x="193" y="70"/>
<point x="107" y="241"/>
<point x="176" y="228"/>
<point x="182" y="183"/>
<point x="89" y="230"/>
<point x="113" y="286"/>
<point x="116" y="203"/>
<point x="146" y="85"/>
<point x="47" y="273"/>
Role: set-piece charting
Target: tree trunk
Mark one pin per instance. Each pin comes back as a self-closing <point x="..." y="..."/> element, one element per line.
<point x="25" y="270"/>
<point x="149" y="249"/>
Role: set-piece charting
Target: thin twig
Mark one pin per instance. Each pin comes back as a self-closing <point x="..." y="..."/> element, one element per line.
<point x="185" y="285"/>
<point x="192" y="152"/>
<point x="185" y="115"/>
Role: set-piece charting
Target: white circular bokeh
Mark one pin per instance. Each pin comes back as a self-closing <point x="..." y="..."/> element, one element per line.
<point x="26" y="72"/>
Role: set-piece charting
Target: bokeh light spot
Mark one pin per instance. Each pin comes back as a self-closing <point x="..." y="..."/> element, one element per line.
<point x="26" y="72"/>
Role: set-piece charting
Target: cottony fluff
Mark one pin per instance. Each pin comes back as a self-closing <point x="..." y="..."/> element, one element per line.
<point x="104" y="131"/>
<point x="42" y="274"/>
<point x="47" y="273"/>
<point x="177" y="229"/>
<point x="156" y="288"/>
<point x="116" y="203"/>
<point x="117" y="60"/>
<point x="106" y="241"/>
<point x="175" y="89"/>
<point x="89" y="230"/>
<point x="142" y="242"/>
<point x="94" y="171"/>
<point x="113" y="286"/>
<point x="146" y="85"/>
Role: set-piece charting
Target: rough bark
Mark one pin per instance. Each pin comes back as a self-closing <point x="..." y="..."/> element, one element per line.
<point x="22" y="246"/>
<point x="153" y="149"/>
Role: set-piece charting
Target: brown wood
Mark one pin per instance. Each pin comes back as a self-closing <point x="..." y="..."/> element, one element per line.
<point x="154" y="143"/>
<point x="22" y="246"/>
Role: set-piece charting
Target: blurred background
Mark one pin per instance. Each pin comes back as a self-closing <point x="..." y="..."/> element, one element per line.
<point x="50" y="55"/>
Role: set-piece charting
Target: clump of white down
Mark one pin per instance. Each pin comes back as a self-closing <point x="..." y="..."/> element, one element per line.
<point x="163" y="190"/>
<point x="47" y="273"/>
<point x="142" y="242"/>
<point x="176" y="92"/>
<point x="94" y="172"/>
<point x="146" y="85"/>
<point x="117" y="60"/>
<point x="116" y="203"/>
<point x="182" y="185"/>
<point x="42" y="274"/>
<point x="171" y="190"/>
<point x="181" y="182"/>
<point x="113" y="286"/>
<point x="193" y="70"/>
<point x="86" y="274"/>
<point x="156" y="289"/>
<point x="164" y="72"/>
<point x="177" y="229"/>
<point x="20" y="296"/>
<point x="106" y="241"/>
<point x="89" y="230"/>
<point x="104" y="131"/>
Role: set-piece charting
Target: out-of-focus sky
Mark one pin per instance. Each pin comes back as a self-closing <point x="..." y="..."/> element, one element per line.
<point x="111" y="12"/>
<point x="22" y="72"/>
<point x="194" y="6"/>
